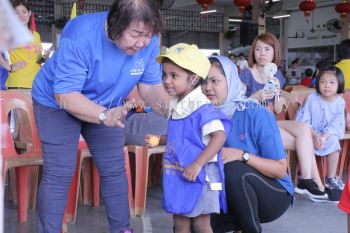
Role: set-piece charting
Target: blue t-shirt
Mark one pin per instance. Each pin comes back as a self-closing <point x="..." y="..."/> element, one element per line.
<point x="3" y="74"/>
<point x="253" y="86"/>
<point x="87" y="61"/>
<point x="255" y="131"/>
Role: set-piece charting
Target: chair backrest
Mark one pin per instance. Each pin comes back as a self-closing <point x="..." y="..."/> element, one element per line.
<point x="301" y="95"/>
<point x="11" y="100"/>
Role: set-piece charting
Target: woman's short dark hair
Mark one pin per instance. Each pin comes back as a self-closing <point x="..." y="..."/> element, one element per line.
<point x="338" y="73"/>
<point x="343" y="49"/>
<point x="123" y="12"/>
<point x="271" y="40"/>
<point x="26" y="5"/>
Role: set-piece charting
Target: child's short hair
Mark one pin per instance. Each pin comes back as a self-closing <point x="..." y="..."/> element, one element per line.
<point x="188" y="57"/>
<point x="308" y="72"/>
<point x="338" y="73"/>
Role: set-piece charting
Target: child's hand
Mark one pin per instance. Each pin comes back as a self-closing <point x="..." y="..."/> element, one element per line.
<point x="191" y="172"/>
<point x="152" y="140"/>
<point x="319" y="143"/>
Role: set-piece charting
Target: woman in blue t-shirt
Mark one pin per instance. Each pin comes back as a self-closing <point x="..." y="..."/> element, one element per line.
<point x="81" y="90"/>
<point x="258" y="188"/>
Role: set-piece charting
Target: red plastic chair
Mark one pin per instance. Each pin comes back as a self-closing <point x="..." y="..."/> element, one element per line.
<point x="142" y="155"/>
<point x="11" y="100"/>
<point x="346" y="140"/>
<point x="90" y="172"/>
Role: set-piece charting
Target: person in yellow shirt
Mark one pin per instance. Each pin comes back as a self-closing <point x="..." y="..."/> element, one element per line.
<point x="24" y="66"/>
<point x="344" y="64"/>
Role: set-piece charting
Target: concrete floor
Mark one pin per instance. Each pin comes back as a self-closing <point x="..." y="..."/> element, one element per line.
<point x="304" y="217"/>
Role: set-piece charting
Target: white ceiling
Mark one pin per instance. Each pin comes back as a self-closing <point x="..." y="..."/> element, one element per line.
<point x="287" y="4"/>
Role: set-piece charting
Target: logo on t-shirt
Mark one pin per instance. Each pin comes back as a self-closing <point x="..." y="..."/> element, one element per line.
<point x="139" y="67"/>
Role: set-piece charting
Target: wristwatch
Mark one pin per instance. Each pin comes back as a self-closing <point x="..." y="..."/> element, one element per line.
<point x="245" y="157"/>
<point x="103" y="116"/>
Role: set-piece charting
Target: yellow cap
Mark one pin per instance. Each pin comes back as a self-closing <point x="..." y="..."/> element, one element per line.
<point x="188" y="57"/>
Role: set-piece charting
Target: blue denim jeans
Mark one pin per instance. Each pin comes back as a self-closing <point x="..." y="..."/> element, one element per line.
<point x="59" y="135"/>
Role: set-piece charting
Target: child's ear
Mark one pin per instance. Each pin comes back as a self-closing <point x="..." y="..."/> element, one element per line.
<point x="195" y="80"/>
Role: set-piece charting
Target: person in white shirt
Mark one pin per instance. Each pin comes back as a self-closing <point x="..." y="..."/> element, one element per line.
<point x="294" y="73"/>
<point x="241" y="62"/>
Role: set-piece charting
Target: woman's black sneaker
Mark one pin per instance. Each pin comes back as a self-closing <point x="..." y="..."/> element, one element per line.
<point x="333" y="194"/>
<point x="310" y="188"/>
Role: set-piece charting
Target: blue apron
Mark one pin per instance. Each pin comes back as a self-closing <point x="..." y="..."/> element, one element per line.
<point x="184" y="144"/>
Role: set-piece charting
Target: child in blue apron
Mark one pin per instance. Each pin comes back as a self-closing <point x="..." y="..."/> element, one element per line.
<point x="192" y="165"/>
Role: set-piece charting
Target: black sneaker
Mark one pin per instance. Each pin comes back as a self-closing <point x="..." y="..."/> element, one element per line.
<point x="334" y="183"/>
<point x="333" y="196"/>
<point x="310" y="188"/>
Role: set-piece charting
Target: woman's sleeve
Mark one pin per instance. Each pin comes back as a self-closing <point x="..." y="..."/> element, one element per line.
<point x="153" y="72"/>
<point x="267" y="135"/>
<point x="246" y="78"/>
<point x="337" y="124"/>
<point x="72" y="67"/>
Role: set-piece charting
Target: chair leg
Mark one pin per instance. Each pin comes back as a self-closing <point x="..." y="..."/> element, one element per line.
<point x="128" y="175"/>
<point x="321" y="167"/>
<point x="12" y="186"/>
<point x="141" y="177"/>
<point x="96" y="186"/>
<point x="343" y="156"/>
<point x="33" y="185"/>
<point x="22" y="192"/>
<point x="158" y="169"/>
<point x="72" y="200"/>
<point x="87" y="187"/>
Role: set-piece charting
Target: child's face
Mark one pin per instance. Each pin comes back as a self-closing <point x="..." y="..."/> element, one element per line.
<point x="328" y="85"/>
<point x="177" y="81"/>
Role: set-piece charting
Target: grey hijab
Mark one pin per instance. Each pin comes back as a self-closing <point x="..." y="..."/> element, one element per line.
<point x="236" y="99"/>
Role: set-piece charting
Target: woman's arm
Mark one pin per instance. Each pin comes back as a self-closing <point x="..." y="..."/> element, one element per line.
<point x="217" y="140"/>
<point x="268" y="167"/>
<point x="156" y="97"/>
<point x="84" y="109"/>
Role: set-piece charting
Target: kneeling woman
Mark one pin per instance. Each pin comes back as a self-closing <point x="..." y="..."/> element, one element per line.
<point x="258" y="188"/>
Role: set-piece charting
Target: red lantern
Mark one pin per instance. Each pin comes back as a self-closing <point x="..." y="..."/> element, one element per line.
<point x="205" y="3"/>
<point x="307" y="6"/>
<point x="81" y="5"/>
<point x="343" y="8"/>
<point x="242" y="4"/>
